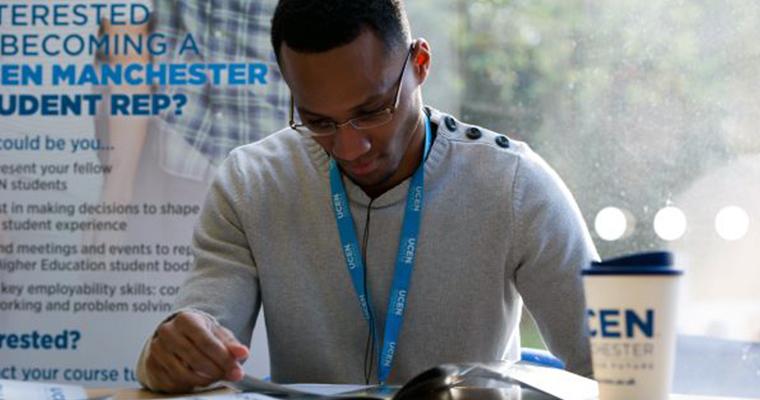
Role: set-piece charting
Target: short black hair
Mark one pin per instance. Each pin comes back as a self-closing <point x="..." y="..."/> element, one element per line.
<point x="315" y="26"/>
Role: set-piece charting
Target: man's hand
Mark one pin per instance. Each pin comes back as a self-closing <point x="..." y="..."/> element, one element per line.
<point x="191" y="350"/>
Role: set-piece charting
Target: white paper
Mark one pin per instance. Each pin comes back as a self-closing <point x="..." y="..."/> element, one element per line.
<point x="13" y="390"/>
<point x="327" y="390"/>
<point x="252" y="384"/>
<point x="556" y="382"/>
<point x="692" y="397"/>
<point x="319" y="389"/>
<point x="231" y="396"/>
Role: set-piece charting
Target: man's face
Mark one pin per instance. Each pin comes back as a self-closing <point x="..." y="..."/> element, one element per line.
<point x="352" y="81"/>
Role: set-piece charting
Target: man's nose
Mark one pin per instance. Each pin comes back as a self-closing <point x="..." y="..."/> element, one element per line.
<point x="349" y="143"/>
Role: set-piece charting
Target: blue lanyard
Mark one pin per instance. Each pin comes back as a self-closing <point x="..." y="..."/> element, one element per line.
<point x="407" y="250"/>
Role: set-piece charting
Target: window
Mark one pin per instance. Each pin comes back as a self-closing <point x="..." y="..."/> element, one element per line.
<point x="649" y="110"/>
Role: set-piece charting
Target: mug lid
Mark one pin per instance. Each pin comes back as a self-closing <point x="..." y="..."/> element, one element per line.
<point x="649" y="263"/>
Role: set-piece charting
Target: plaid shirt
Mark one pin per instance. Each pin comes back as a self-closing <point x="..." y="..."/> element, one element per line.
<point x="218" y="118"/>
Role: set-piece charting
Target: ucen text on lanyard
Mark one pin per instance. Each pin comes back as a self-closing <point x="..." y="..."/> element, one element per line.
<point x="407" y="249"/>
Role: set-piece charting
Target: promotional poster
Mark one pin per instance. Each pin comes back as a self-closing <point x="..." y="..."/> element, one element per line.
<point x="106" y="159"/>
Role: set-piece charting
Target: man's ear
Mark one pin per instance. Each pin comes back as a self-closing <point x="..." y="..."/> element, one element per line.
<point x="421" y="58"/>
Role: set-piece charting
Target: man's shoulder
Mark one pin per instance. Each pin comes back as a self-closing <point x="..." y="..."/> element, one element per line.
<point x="492" y="156"/>
<point x="285" y="148"/>
<point x="283" y="154"/>
<point x="277" y="144"/>
<point x="473" y="140"/>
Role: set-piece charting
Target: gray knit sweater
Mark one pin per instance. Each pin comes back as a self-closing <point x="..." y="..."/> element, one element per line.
<point x="498" y="228"/>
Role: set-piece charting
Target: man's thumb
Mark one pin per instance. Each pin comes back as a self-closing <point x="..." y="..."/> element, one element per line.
<point x="237" y="350"/>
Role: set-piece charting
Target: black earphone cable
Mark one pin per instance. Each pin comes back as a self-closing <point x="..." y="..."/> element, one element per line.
<point x="369" y="349"/>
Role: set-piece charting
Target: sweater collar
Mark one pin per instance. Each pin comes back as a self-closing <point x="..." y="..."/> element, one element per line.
<point x="396" y="194"/>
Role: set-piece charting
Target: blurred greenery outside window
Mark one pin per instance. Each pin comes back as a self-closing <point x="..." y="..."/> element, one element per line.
<point x="638" y="105"/>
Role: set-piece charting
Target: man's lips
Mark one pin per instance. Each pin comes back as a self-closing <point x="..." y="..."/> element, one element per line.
<point x="361" y="168"/>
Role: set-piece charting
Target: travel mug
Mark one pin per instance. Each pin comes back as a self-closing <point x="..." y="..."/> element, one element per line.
<point x="631" y="309"/>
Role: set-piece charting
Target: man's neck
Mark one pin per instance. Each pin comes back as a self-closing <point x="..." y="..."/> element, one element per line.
<point x="409" y="163"/>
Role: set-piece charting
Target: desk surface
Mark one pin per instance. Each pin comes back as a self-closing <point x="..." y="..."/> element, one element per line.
<point x="137" y="394"/>
<point x="126" y="394"/>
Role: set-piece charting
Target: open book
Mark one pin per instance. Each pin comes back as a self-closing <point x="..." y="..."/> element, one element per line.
<point x="498" y="380"/>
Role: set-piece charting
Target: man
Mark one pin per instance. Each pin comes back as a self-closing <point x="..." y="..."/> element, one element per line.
<point x="369" y="211"/>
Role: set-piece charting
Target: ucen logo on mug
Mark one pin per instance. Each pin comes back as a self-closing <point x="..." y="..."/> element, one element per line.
<point x="620" y="323"/>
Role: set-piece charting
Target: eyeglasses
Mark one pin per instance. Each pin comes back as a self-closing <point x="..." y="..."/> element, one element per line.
<point x="327" y="127"/>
